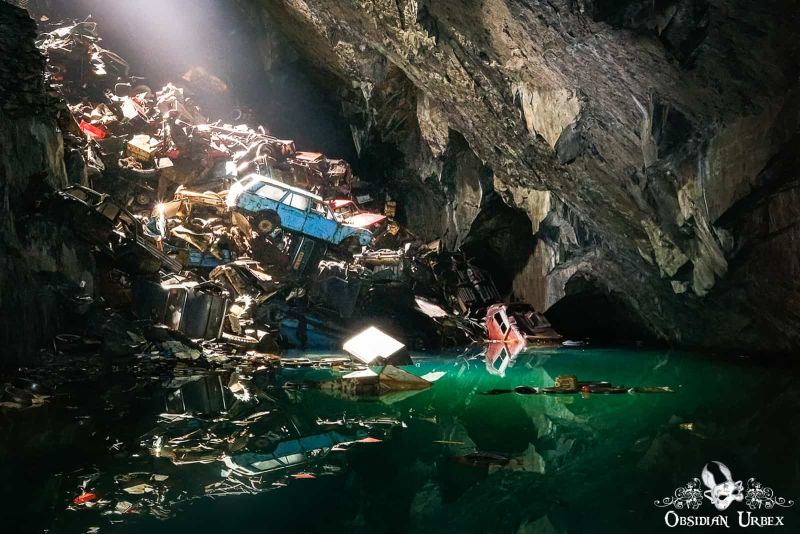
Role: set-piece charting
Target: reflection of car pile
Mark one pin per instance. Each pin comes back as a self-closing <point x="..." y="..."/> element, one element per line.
<point x="253" y="437"/>
<point x="222" y="418"/>
<point x="229" y="234"/>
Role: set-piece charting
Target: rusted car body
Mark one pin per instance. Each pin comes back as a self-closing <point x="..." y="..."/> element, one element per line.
<point x="101" y="221"/>
<point x="519" y="324"/>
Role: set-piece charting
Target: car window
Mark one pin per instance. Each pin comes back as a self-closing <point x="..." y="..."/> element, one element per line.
<point x="271" y="192"/>
<point x="323" y="210"/>
<point x="109" y="209"/>
<point x="297" y="201"/>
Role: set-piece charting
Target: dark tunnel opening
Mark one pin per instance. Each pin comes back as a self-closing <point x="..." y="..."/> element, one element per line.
<point x="587" y="311"/>
<point x="500" y="241"/>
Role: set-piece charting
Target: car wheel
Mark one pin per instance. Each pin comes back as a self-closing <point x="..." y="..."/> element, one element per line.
<point x="143" y="199"/>
<point x="266" y="223"/>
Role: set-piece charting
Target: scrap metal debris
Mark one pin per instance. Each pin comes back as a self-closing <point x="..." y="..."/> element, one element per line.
<point x="569" y="384"/>
<point x="21" y="394"/>
<point x="368" y="383"/>
<point x="519" y="324"/>
<point x="226" y="233"/>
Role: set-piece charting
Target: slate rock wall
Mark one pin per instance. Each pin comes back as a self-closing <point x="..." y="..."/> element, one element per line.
<point x="651" y="145"/>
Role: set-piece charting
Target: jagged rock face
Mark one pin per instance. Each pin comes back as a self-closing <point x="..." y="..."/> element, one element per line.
<point x="41" y="264"/>
<point x="652" y="145"/>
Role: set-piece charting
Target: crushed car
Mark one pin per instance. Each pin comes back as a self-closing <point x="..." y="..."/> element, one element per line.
<point x="101" y="221"/>
<point x="349" y="213"/>
<point x="519" y="324"/>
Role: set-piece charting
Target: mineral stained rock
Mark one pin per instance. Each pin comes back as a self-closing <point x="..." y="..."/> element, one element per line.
<point x="652" y="146"/>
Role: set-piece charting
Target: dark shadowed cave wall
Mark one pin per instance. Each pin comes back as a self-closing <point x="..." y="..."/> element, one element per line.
<point x="44" y="269"/>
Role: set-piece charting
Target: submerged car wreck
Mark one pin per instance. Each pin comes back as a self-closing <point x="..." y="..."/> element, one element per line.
<point x="519" y="325"/>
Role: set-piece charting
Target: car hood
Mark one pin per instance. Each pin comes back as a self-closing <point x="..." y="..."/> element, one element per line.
<point x="365" y="220"/>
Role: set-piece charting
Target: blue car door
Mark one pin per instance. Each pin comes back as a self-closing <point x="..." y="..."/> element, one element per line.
<point x="258" y="197"/>
<point x="293" y="211"/>
<point x="320" y="222"/>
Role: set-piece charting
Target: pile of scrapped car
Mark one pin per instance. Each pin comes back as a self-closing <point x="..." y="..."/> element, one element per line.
<point x="237" y="240"/>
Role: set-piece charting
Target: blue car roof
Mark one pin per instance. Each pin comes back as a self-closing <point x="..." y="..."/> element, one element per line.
<point x="282" y="185"/>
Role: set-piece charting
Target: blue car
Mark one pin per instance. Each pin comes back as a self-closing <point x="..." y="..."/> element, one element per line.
<point x="269" y="204"/>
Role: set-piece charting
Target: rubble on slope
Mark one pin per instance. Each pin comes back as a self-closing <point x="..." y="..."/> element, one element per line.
<point x="233" y="238"/>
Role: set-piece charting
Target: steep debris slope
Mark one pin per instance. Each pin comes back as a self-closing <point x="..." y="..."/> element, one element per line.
<point x="42" y="266"/>
<point x="210" y="240"/>
<point x="651" y="145"/>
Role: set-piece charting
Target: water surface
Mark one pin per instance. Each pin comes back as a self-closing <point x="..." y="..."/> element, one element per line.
<point x="566" y="463"/>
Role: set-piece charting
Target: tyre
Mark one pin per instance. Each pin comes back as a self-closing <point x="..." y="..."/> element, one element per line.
<point x="265" y="223"/>
<point x="143" y="199"/>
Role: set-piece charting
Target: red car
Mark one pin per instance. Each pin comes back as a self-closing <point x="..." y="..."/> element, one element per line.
<point x="349" y="213"/>
<point x="518" y="324"/>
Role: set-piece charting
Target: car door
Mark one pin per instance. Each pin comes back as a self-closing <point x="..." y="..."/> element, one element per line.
<point x="320" y="222"/>
<point x="257" y="196"/>
<point x="293" y="210"/>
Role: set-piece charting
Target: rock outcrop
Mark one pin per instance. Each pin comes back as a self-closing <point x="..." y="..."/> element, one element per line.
<point x="650" y="146"/>
<point x="42" y="265"/>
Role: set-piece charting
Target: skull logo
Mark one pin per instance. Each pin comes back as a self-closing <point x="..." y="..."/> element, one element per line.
<point x="723" y="494"/>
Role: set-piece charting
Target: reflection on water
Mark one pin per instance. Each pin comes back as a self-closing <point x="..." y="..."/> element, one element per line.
<point x="501" y="356"/>
<point x="203" y="450"/>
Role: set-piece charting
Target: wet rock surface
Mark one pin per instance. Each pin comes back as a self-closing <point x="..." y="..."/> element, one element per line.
<point x="43" y="266"/>
<point x="661" y="134"/>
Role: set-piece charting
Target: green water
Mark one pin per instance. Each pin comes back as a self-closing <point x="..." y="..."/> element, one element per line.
<point x="572" y="464"/>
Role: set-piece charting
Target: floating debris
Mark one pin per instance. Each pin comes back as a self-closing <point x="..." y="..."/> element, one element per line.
<point x="83" y="498"/>
<point x="569" y="384"/>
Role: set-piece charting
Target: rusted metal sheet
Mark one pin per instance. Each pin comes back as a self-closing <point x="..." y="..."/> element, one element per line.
<point x="518" y="324"/>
